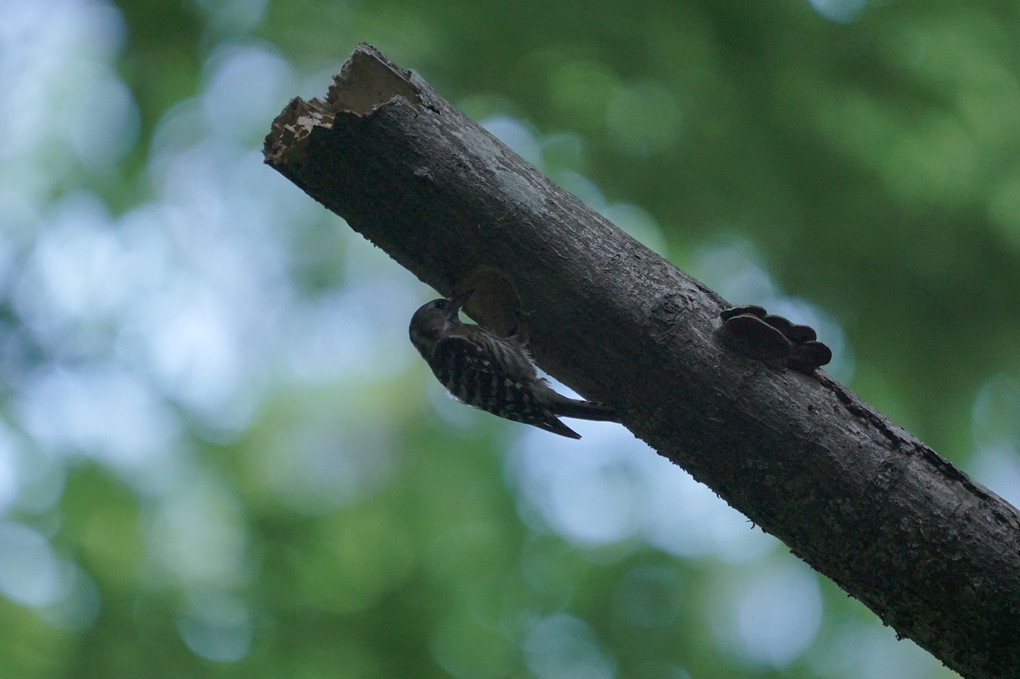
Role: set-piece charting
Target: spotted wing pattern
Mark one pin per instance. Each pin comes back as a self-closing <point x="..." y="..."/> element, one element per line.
<point x="474" y="376"/>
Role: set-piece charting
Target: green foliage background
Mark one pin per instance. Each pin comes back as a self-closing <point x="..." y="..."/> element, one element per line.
<point x="220" y="456"/>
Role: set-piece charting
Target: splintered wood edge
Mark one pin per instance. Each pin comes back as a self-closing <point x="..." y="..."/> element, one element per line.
<point x="366" y="81"/>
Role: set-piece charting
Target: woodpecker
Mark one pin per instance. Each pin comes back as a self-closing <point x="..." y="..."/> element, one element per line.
<point x="491" y="372"/>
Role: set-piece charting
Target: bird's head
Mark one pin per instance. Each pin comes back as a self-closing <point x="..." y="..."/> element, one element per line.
<point x="434" y="320"/>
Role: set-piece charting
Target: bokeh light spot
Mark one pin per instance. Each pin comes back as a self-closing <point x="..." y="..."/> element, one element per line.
<point x="560" y="646"/>
<point x="30" y="572"/>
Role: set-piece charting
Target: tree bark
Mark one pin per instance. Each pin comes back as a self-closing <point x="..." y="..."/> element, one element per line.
<point x="934" y="554"/>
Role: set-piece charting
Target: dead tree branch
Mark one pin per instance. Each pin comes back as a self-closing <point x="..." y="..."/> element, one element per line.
<point x="932" y="553"/>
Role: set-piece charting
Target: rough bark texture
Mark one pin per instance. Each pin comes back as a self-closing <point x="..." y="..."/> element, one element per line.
<point x="934" y="554"/>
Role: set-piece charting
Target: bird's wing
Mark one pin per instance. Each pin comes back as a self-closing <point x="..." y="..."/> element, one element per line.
<point x="476" y="377"/>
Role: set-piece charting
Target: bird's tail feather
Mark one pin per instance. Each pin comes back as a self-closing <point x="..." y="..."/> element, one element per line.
<point x="585" y="410"/>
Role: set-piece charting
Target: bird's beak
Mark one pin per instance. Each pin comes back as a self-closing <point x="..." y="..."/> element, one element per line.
<point x="459" y="301"/>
